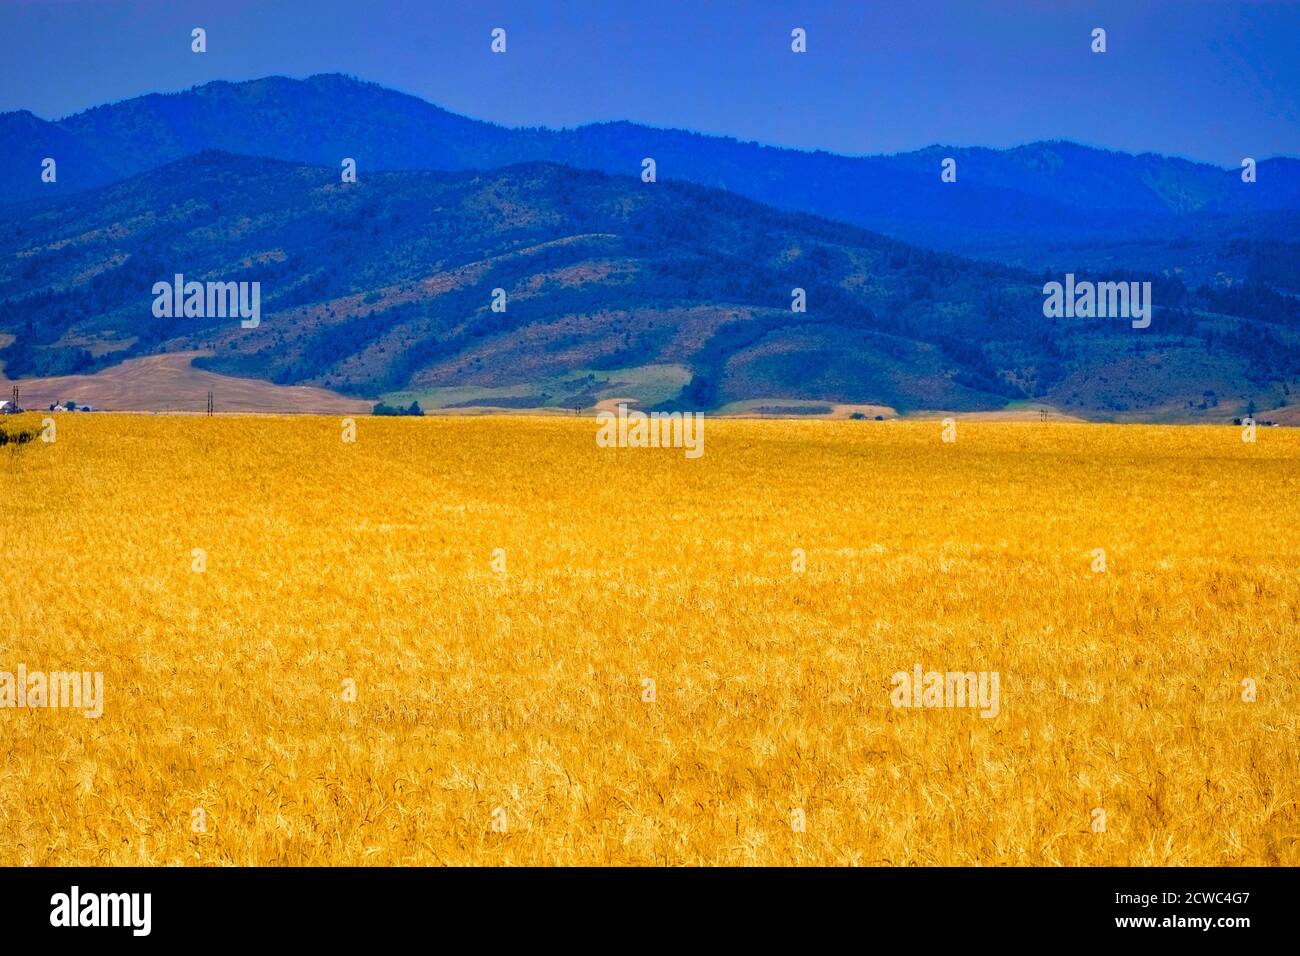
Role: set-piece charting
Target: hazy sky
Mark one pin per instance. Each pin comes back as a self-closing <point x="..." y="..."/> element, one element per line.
<point x="1209" y="80"/>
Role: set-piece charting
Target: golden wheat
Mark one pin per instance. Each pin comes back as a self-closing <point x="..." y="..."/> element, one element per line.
<point x="519" y="698"/>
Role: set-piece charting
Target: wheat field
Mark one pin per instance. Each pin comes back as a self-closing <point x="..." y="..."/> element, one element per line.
<point x="313" y="652"/>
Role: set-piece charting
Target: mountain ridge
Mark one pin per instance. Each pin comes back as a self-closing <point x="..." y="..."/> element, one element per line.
<point x="1013" y="202"/>
<point x="353" y="80"/>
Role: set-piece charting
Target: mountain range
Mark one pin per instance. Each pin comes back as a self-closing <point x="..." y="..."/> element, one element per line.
<point x="920" y="293"/>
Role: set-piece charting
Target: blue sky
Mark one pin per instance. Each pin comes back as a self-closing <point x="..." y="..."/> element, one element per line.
<point x="1207" y="79"/>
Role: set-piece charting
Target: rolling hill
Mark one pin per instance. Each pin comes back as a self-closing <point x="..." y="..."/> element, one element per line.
<point x="679" y="292"/>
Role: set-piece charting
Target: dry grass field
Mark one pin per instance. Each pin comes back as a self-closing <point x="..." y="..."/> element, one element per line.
<point x="518" y="698"/>
<point x="169" y="383"/>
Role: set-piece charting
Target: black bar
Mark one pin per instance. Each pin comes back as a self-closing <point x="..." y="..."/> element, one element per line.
<point x="977" y="906"/>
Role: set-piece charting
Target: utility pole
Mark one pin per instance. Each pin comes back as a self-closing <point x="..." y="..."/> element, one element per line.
<point x="209" y="404"/>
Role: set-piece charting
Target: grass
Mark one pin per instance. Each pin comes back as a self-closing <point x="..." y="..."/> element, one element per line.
<point x="522" y="692"/>
<point x="648" y="385"/>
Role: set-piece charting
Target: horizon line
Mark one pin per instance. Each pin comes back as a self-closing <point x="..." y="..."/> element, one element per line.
<point x="624" y="121"/>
